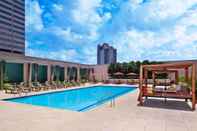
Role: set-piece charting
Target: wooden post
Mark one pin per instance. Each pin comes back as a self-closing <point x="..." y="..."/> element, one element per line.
<point x="140" y="86"/>
<point x="146" y="77"/>
<point x="193" y="86"/>
<point x="153" y="77"/>
<point x="176" y="77"/>
<point x="186" y="74"/>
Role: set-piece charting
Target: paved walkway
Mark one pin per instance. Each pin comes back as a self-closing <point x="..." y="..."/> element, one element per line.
<point x="156" y="115"/>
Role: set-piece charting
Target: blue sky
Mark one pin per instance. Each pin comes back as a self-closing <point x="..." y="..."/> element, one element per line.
<point x="70" y="30"/>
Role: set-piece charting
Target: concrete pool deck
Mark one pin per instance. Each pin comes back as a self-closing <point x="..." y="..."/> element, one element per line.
<point x="156" y="115"/>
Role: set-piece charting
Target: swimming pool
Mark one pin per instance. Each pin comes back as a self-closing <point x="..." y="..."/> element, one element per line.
<point x="81" y="99"/>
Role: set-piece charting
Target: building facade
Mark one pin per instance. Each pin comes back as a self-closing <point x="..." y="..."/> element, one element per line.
<point x="12" y="26"/>
<point x="16" y="68"/>
<point x="106" y="54"/>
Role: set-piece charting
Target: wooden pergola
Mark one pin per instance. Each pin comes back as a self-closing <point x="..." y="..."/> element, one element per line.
<point x="168" y="68"/>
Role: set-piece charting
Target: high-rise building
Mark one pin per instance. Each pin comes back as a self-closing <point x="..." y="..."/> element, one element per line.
<point x="12" y="26"/>
<point x="106" y="54"/>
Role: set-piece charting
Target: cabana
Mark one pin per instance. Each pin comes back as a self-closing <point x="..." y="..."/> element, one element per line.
<point x="170" y="91"/>
<point x="118" y="74"/>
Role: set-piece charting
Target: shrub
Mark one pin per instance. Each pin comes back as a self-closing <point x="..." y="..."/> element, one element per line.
<point x="83" y="81"/>
<point x="181" y="79"/>
<point x="7" y="86"/>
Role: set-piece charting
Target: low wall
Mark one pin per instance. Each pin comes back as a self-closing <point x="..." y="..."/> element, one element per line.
<point x="136" y="81"/>
<point x="101" y="72"/>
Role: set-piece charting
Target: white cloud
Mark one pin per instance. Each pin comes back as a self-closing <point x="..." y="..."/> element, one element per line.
<point x="66" y="55"/>
<point x="165" y="45"/>
<point x="154" y="14"/>
<point x="58" y="7"/>
<point x="166" y="9"/>
<point x="182" y="30"/>
<point x="159" y="30"/>
<point x="34" y="16"/>
<point x="89" y="55"/>
<point x="86" y="15"/>
<point x="86" y="12"/>
<point x="66" y="34"/>
<point x="26" y="44"/>
<point x="107" y="16"/>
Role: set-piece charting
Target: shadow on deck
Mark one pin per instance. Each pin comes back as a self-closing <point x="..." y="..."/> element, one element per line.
<point x="169" y="104"/>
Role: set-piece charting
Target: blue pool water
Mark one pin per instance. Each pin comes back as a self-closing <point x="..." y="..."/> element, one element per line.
<point x="76" y="99"/>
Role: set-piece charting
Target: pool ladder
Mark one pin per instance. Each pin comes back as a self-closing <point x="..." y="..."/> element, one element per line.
<point x="112" y="103"/>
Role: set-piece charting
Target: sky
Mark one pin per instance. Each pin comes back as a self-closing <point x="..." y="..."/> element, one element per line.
<point x="70" y="30"/>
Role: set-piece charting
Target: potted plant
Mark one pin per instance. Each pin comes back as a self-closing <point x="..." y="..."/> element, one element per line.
<point x="7" y="87"/>
<point x="83" y="81"/>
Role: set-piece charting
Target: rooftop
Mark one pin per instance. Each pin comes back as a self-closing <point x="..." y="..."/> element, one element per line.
<point x="155" y="115"/>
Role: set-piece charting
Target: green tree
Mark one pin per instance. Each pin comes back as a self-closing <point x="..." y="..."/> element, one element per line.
<point x="138" y="64"/>
<point x="111" y="69"/>
<point x="117" y="67"/>
<point x="124" y="68"/>
<point x="146" y="62"/>
<point x="132" y="66"/>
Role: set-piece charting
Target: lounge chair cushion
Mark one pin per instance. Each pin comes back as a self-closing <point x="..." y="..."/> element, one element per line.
<point x="178" y="87"/>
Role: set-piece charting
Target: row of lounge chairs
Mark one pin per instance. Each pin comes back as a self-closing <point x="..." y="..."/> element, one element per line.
<point x="36" y="86"/>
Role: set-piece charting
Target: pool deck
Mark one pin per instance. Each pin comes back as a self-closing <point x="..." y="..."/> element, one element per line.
<point x="156" y="115"/>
